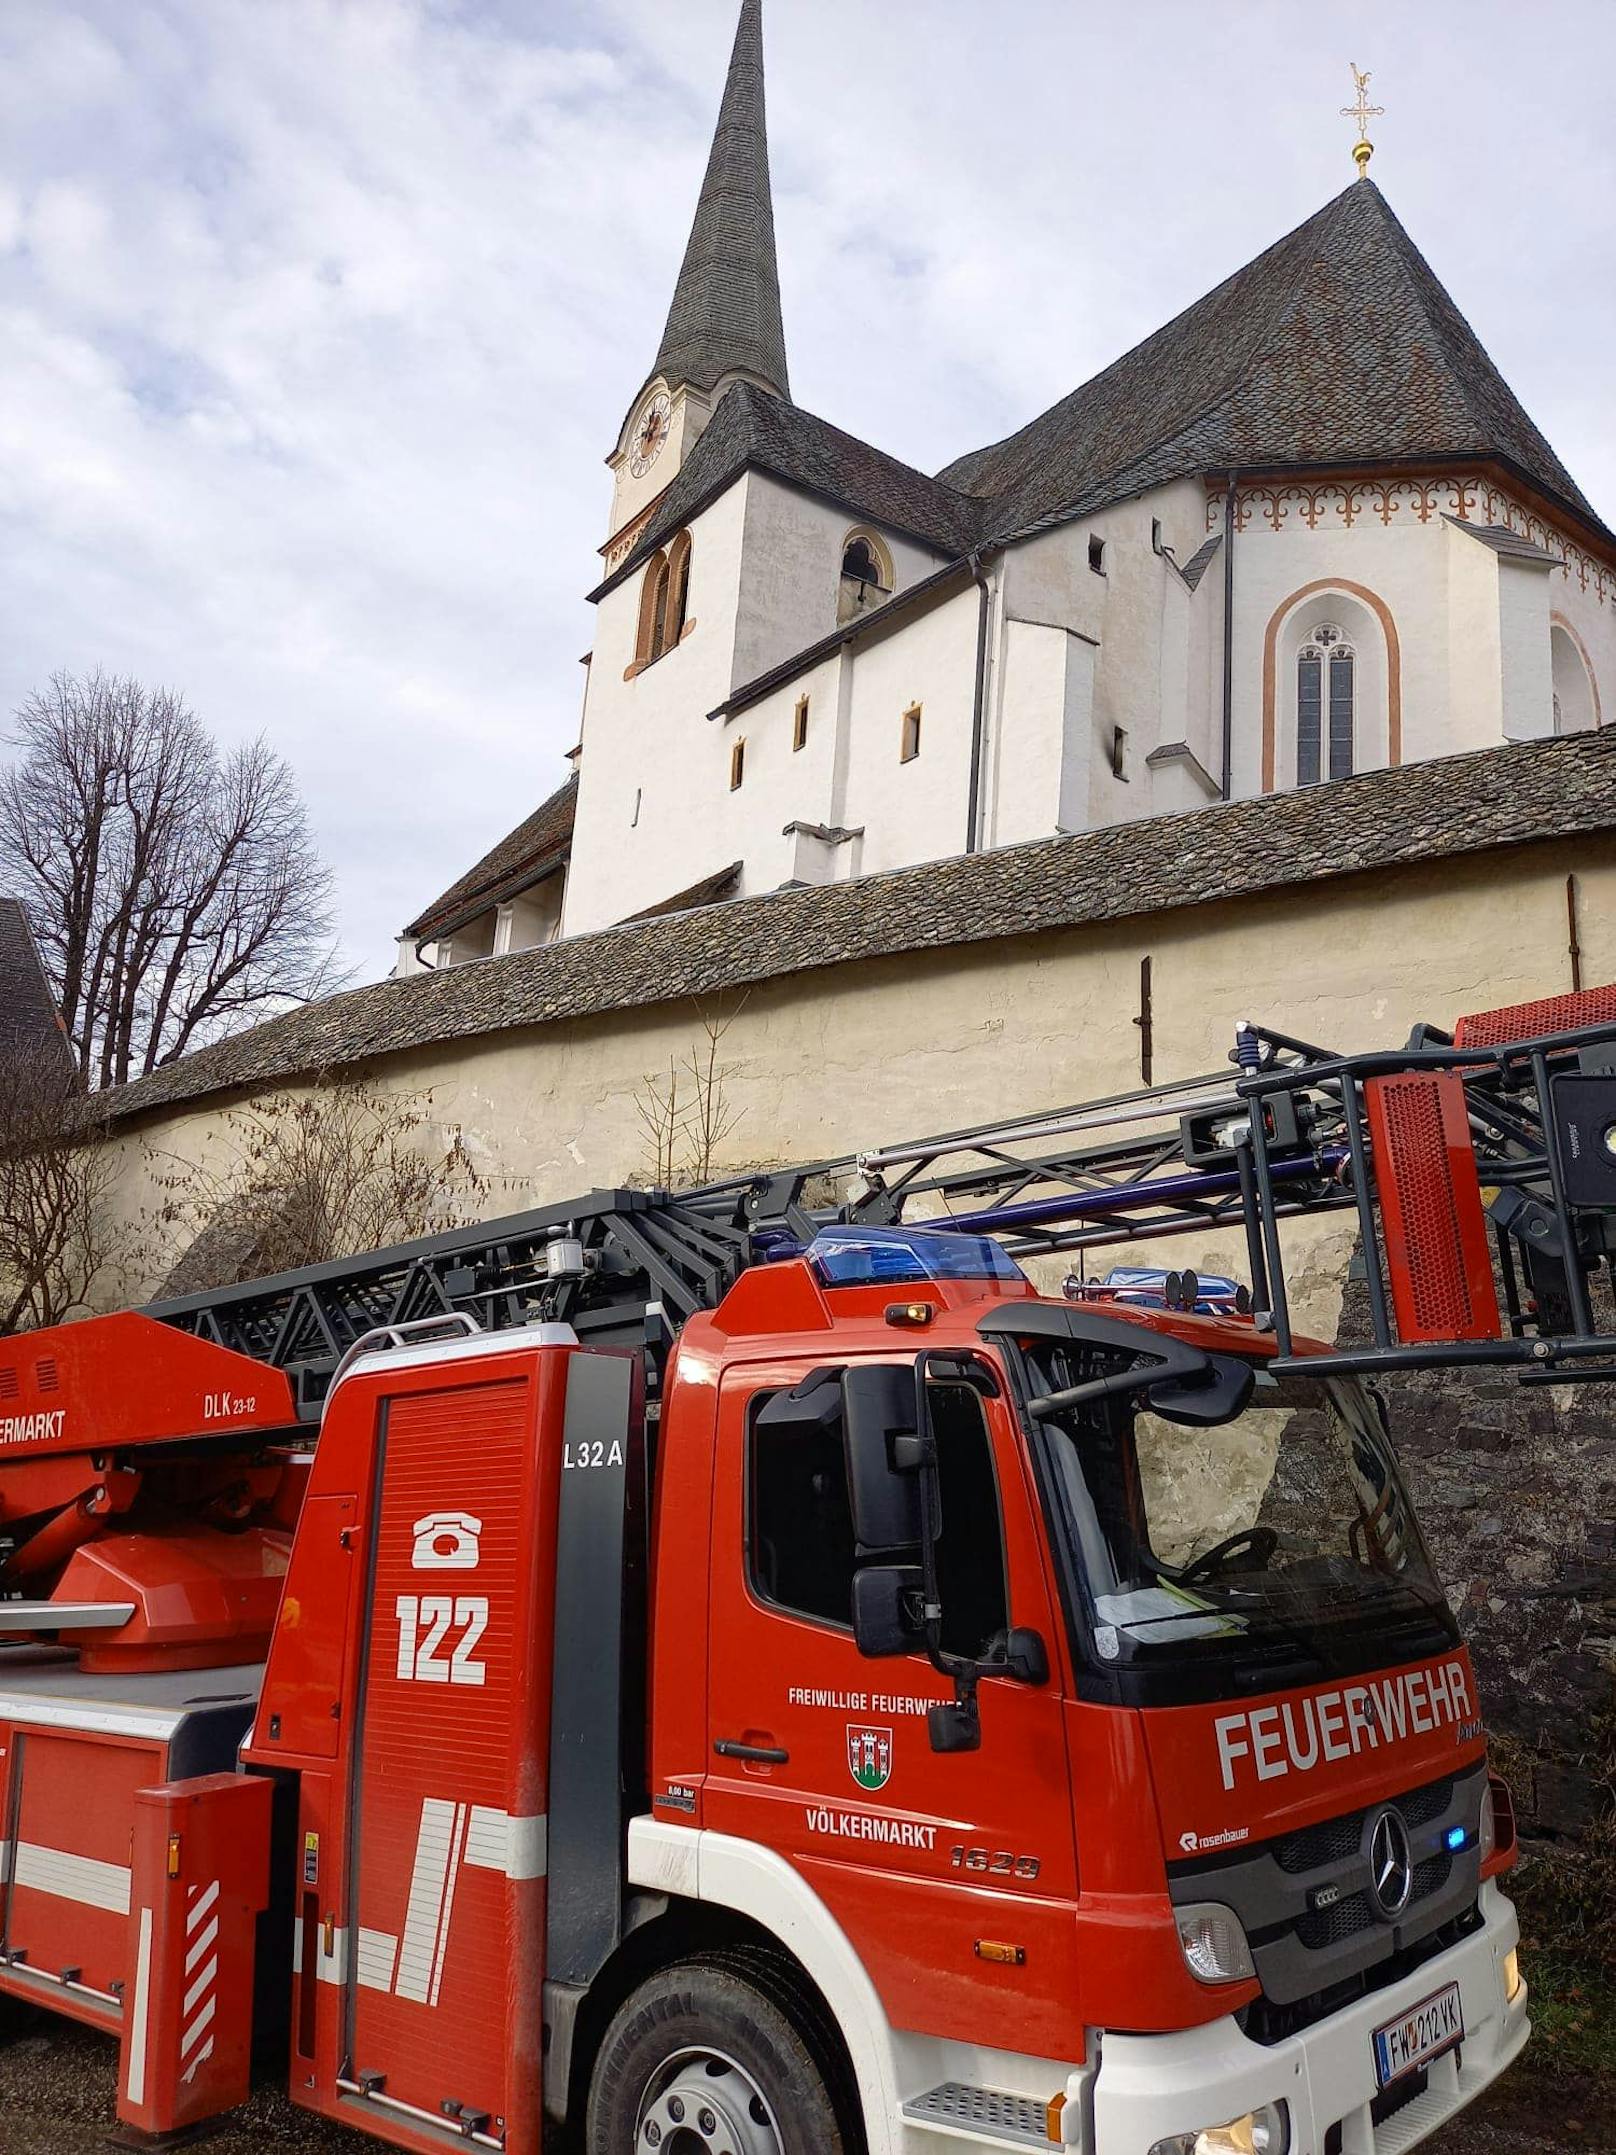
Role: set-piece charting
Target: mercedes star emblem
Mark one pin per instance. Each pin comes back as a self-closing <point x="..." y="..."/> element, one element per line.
<point x="1391" y="1865"/>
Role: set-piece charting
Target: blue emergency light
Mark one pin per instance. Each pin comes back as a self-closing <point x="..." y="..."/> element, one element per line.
<point x="906" y="1257"/>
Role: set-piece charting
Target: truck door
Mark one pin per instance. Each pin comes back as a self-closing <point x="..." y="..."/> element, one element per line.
<point x="446" y="1883"/>
<point x="942" y="1868"/>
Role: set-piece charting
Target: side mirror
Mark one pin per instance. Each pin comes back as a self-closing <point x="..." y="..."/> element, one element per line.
<point x="1020" y="1654"/>
<point x="886" y="1611"/>
<point x="883" y="1454"/>
<point x="1205" y="1398"/>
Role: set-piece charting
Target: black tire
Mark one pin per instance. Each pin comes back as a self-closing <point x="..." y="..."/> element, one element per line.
<point x="737" y="2006"/>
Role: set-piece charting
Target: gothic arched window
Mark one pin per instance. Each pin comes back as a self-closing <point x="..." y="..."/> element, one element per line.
<point x="664" y="601"/>
<point x="1326" y="705"/>
<point x="867" y="580"/>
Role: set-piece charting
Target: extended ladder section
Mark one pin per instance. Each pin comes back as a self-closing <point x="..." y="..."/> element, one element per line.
<point x="1481" y="1167"/>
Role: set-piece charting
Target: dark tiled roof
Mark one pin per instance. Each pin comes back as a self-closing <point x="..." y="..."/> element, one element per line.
<point x="28" y="1017"/>
<point x="1424" y="812"/>
<point x="535" y="849"/>
<point x="711" y="890"/>
<point x="752" y="431"/>
<point x="725" y="316"/>
<point x="1502" y="540"/>
<point x="1338" y="345"/>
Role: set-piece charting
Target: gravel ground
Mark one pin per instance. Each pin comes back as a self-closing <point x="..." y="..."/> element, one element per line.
<point x="57" y="2093"/>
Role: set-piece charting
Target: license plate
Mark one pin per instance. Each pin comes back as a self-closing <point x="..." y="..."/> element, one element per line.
<point x="1419" y="2035"/>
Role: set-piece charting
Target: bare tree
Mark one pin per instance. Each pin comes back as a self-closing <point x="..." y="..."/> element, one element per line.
<point x="305" y="1178"/>
<point x="687" y="1117"/>
<point x="56" y="1174"/>
<point x="175" y="891"/>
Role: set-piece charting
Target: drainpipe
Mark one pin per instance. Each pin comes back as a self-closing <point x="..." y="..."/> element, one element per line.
<point x="979" y="711"/>
<point x="1228" y="640"/>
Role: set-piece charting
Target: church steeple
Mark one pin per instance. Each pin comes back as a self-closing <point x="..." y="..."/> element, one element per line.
<point x="725" y="317"/>
<point x="724" y="325"/>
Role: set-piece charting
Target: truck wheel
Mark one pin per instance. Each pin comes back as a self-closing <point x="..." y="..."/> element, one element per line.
<point x="701" y="2062"/>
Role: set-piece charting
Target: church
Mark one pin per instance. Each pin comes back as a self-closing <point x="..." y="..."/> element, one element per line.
<point x="1303" y="532"/>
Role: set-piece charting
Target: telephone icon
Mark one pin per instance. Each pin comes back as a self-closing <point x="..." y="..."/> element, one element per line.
<point x="447" y="1541"/>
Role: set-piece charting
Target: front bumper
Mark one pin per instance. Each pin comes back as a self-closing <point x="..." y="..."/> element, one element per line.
<point x="1150" y="2086"/>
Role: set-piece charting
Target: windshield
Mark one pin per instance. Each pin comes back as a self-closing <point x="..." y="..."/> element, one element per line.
<point x="1282" y="1535"/>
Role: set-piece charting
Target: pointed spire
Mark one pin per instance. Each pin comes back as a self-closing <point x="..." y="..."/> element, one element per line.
<point x="725" y="316"/>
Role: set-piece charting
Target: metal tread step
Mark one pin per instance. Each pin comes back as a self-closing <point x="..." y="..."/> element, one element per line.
<point x="1018" y="2120"/>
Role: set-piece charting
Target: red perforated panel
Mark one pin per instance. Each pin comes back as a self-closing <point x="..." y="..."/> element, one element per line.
<point x="1438" y="1258"/>
<point x="1526" y="1021"/>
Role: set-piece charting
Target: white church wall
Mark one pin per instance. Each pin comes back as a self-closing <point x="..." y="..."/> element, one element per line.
<point x="1393" y="581"/>
<point x="783" y="784"/>
<point x="1473" y="653"/>
<point x="1040" y="757"/>
<point x="913" y="810"/>
<point x="1141" y="618"/>
<point x="1587" y="621"/>
<point x="1475" y="656"/>
<point x="653" y="769"/>
<point x="1527" y="683"/>
<point x="793" y="566"/>
<point x="1574" y="708"/>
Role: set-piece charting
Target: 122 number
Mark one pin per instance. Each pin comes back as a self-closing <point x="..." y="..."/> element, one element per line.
<point x="424" y="1624"/>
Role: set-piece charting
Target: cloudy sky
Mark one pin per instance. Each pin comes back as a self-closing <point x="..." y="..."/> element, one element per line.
<point x="318" y="317"/>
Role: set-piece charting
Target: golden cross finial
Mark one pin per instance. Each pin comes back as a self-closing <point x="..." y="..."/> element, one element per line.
<point x="1363" y="112"/>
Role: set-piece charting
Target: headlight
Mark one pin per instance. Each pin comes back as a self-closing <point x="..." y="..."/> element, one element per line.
<point x="1213" y="1944"/>
<point x="1512" y="1975"/>
<point x="1488" y="1831"/>
<point x="1260" y="2132"/>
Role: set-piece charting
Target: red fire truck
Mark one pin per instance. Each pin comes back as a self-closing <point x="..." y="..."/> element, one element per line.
<point x="742" y="1673"/>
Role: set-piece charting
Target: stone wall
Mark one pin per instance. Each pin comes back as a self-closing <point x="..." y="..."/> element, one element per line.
<point x="1516" y="1489"/>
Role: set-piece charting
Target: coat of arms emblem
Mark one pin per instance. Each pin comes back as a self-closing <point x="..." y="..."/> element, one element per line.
<point x="869" y="1755"/>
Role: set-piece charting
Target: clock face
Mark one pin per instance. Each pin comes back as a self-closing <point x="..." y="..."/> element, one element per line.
<point x="651" y="433"/>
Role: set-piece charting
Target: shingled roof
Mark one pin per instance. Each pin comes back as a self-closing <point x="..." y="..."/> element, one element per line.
<point x="725" y="316"/>
<point x="1338" y="345"/>
<point x="1424" y="812"/>
<point x="535" y="849"/>
<point x="29" y="1024"/>
<point x="753" y="431"/>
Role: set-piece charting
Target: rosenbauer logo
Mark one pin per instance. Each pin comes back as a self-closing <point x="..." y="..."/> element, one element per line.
<point x="1270" y="1741"/>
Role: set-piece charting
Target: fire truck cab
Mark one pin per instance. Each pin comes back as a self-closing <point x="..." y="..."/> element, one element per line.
<point x="996" y="1778"/>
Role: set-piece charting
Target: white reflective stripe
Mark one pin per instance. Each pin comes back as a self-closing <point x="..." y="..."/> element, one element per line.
<point x="517" y="1846"/>
<point x="448" y="1902"/>
<point x="378" y="1951"/>
<point x="136" y="2089"/>
<point x="202" y="1944"/>
<point x="198" y="2028"/>
<point x="424" y="1917"/>
<point x="73" y="1878"/>
<point x="197" y="2063"/>
<point x="200" y="1906"/>
<point x="203" y="1983"/>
